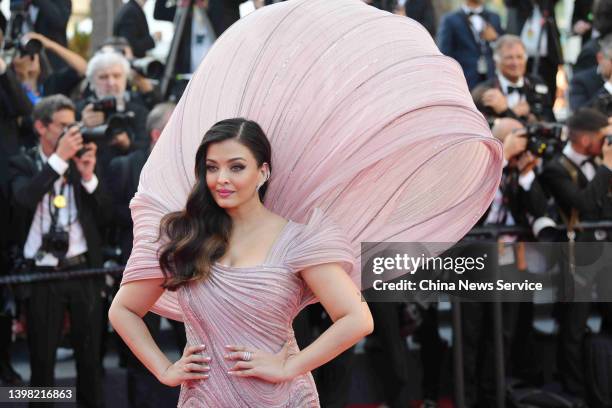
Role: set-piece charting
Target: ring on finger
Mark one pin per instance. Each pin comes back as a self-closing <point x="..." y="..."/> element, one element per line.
<point x="247" y="356"/>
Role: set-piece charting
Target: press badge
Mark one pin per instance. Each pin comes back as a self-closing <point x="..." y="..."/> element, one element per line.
<point x="482" y="68"/>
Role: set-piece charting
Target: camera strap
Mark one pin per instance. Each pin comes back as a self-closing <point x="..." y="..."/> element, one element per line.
<point x="57" y="202"/>
<point x="571" y="221"/>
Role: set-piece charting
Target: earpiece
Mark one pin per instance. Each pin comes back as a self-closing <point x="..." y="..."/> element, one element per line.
<point x="267" y="177"/>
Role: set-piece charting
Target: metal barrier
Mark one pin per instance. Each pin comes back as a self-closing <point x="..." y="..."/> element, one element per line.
<point x="494" y="232"/>
<point x="30" y="277"/>
<point x="490" y="232"/>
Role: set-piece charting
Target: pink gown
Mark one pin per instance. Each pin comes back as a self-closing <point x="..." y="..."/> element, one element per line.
<point x="368" y="121"/>
<point x="255" y="307"/>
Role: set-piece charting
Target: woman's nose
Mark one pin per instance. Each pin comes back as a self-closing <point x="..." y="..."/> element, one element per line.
<point x="223" y="176"/>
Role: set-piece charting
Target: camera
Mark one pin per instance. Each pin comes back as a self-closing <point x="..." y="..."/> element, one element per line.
<point x="148" y="67"/>
<point x="55" y="242"/>
<point x="116" y="123"/>
<point x="545" y="139"/>
<point x="103" y="134"/>
<point x="15" y="42"/>
<point x="108" y="105"/>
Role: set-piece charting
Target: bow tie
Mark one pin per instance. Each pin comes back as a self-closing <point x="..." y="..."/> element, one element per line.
<point x="520" y="90"/>
<point x="589" y="160"/>
<point x="474" y="13"/>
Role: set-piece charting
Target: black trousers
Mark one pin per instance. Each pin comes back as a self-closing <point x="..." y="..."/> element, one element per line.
<point x="396" y="375"/>
<point x="144" y="390"/>
<point x="333" y="379"/>
<point x="45" y="310"/>
<point x="432" y="352"/>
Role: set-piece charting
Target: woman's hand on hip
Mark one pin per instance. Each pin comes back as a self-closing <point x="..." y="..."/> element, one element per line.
<point x="193" y="365"/>
<point x="251" y="362"/>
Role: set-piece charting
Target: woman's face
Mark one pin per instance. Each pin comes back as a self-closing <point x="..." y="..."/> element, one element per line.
<point x="232" y="173"/>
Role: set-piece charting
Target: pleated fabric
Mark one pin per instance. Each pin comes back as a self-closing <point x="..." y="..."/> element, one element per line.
<point x="368" y="122"/>
<point x="255" y="307"/>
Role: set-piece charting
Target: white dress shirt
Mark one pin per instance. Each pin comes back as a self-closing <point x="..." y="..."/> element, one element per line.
<point x="513" y="98"/>
<point x="531" y="34"/>
<point x="579" y="160"/>
<point x="42" y="218"/>
<point x="202" y="37"/>
<point x="478" y="23"/>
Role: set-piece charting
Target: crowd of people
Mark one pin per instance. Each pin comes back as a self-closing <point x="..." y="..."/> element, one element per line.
<point x="76" y="133"/>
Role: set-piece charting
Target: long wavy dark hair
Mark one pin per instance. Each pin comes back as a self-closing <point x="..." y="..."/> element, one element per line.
<point x="199" y="234"/>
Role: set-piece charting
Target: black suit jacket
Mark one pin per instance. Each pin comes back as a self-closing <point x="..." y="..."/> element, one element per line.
<point x="28" y="187"/>
<point x="131" y="23"/>
<point x="588" y="56"/>
<point x="222" y="14"/>
<point x="592" y="199"/>
<point x="601" y="101"/>
<point x="13" y="104"/>
<point x="125" y="173"/>
<point x="51" y="22"/>
<point x="531" y="95"/>
<point x="584" y="87"/>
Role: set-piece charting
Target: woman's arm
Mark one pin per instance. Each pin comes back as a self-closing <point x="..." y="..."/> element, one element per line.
<point x="132" y="302"/>
<point x="343" y="303"/>
<point x="352" y="321"/>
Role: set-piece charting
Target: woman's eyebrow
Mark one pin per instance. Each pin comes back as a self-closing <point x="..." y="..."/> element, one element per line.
<point x="230" y="160"/>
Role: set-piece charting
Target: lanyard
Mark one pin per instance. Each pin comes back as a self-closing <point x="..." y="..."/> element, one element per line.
<point x="481" y="43"/>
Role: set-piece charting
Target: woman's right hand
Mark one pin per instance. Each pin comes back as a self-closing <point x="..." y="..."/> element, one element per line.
<point x="192" y="366"/>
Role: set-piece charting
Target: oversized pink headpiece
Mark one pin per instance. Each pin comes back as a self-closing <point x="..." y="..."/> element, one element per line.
<point x="368" y="121"/>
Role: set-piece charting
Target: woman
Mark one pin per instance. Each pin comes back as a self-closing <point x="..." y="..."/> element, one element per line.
<point x="242" y="273"/>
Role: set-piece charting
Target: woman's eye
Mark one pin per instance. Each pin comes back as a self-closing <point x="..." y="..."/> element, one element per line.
<point x="211" y="168"/>
<point x="237" y="168"/>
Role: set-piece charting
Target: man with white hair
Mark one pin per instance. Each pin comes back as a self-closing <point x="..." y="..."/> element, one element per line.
<point x="512" y="93"/>
<point x="107" y="74"/>
<point x="603" y="97"/>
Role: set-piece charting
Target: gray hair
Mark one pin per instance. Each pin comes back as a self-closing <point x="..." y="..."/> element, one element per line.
<point x="504" y="41"/>
<point x="48" y="105"/>
<point x="606" y="46"/>
<point x="158" y="117"/>
<point x="106" y="59"/>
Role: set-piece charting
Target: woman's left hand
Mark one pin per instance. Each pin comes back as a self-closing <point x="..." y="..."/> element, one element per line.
<point x="251" y="362"/>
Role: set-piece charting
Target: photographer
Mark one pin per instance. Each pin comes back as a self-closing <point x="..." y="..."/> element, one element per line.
<point x="140" y="86"/>
<point x="588" y="86"/>
<point x="39" y="83"/>
<point x="519" y="201"/>
<point x="13" y="105"/>
<point x="602" y="100"/>
<point x="107" y="73"/>
<point x="581" y="189"/>
<point x="47" y="17"/>
<point x="511" y="93"/>
<point x="59" y="205"/>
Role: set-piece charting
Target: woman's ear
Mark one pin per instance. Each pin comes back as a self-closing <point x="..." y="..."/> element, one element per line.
<point x="266" y="172"/>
